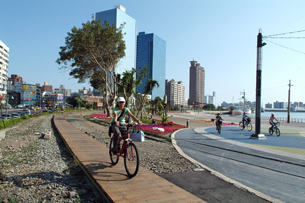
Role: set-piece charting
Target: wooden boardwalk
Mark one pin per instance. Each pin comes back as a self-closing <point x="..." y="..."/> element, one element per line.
<point x="113" y="181"/>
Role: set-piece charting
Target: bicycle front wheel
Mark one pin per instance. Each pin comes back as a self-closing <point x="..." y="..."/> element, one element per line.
<point x="249" y="126"/>
<point x="241" y="126"/>
<point x="131" y="160"/>
<point x="278" y="132"/>
<point x="219" y="129"/>
<point x="113" y="157"/>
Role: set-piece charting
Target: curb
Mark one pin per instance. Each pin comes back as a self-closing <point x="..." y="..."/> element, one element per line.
<point x="221" y="176"/>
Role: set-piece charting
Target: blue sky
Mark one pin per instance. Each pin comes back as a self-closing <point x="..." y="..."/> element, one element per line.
<point x="220" y="35"/>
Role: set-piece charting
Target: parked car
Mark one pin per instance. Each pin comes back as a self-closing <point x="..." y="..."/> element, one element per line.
<point x="6" y="116"/>
<point x="25" y="109"/>
<point x="20" y="106"/>
<point x="21" y="113"/>
<point x="15" y="115"/>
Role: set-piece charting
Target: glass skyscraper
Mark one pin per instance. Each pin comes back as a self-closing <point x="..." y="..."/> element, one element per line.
<point x="118" y="16"/>
<point x="151" y="52"/>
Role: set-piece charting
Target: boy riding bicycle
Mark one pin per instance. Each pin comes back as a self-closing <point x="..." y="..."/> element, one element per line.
<point x="271" y="121"/>
<point x="118" y="125"/>
<point x="218" y="120"/>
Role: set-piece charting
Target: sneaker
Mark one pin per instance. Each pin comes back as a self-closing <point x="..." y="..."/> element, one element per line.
<point x="115" y="152"/>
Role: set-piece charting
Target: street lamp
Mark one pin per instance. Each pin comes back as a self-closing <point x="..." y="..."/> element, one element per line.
<point x="260" y="44"/>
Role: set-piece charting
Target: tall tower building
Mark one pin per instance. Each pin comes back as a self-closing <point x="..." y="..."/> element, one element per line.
<point x="118" y="16"/>
<point x="197" y="79"/>
<point x="151" y="52"/>
<point x="4" y="54"/>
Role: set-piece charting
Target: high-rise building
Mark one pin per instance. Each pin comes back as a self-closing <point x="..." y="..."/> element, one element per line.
<point x="47" y="88"/>
<point x="151" y="52"/>
<point x="209" y="99"/>
<point x="118" y="16"/>
<point x="196" y="88"/>
<point x="4" y="54"/>
<point x="280" y="105"/>
<point x="175" y="92"/>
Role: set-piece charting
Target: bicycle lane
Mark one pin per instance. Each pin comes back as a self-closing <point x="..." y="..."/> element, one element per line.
<point x="255" y="179"/>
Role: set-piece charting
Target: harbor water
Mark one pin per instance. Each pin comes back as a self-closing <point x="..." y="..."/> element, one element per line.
<point x="281" y="116"/>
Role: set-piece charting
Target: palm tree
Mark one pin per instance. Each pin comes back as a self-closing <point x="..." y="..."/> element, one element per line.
<point x="78" y="100"/>
<point x="162" y="106"/>
<point x="154" y="103"/>
<point x="151" y="84"/>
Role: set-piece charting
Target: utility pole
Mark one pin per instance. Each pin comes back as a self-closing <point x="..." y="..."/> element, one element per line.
<point x="288" y="112"/>
<point x="244" y="97"/>
<point x="260" y="44"/>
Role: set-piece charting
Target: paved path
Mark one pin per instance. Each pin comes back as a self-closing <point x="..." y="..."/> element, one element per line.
<point x="269" y="184"/>
<point x="93" y="157"/>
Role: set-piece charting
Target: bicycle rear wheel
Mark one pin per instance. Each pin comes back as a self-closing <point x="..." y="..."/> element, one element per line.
<point x="113" y="157"/>
<point x="249" y="126"/>
<point x="278" y="132"/>
<point x="131" y="160"/>
<point x="241" y="126"/>
<point x="270" y="131"/>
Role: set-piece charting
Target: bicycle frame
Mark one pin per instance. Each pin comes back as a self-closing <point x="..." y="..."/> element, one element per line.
<point x="126" y="139"/>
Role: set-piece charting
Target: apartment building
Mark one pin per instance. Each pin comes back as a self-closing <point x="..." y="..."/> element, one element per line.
<point x="175" y="92"/>
<point x="63" y="90"/>
<point x="196" y="87"/>
<point x="47" y="88"/>
<point x="4" y="55"/>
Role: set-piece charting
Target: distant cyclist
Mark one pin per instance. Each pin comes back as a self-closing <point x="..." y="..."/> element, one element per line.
<point x="271" y="121"/>
<point x="218" y="120"/>
<point x="244" y="119"/>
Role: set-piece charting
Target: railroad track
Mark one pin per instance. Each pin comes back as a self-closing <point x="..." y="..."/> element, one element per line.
<point x="292" y="168"/>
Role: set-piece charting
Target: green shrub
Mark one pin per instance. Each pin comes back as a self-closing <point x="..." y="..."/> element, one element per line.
<point x="145" y="120"/>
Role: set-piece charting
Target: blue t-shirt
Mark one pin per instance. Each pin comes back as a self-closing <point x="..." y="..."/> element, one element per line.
<point x="118" y="113"/>
<point x="245" y="117"/>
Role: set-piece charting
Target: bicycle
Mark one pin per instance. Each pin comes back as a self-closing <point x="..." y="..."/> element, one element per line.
<point x="275" y="128"/>
<point x="218" y="126"/>
<point x="129" y="151"/>
<point x="248" y="124"/>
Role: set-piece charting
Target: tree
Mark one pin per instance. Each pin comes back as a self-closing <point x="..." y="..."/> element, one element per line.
<point x="209" y="107"/>
<point x="154" y="104"/>
<point x="151" y="84"/>
<point x="79" y="101"/>
<point x="92" y="52"/>
<point x="128" y="82"/>
<point x="219" y="108"/>
<point x="162" y="106"/>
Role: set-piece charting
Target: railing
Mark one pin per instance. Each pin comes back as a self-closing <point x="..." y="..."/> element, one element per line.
<point x="297" y="120"/>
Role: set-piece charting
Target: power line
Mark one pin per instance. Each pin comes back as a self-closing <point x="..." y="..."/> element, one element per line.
<point x="285" y="47"/>
<point x="285" y="37"/>
<point x="284" y="33"/>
